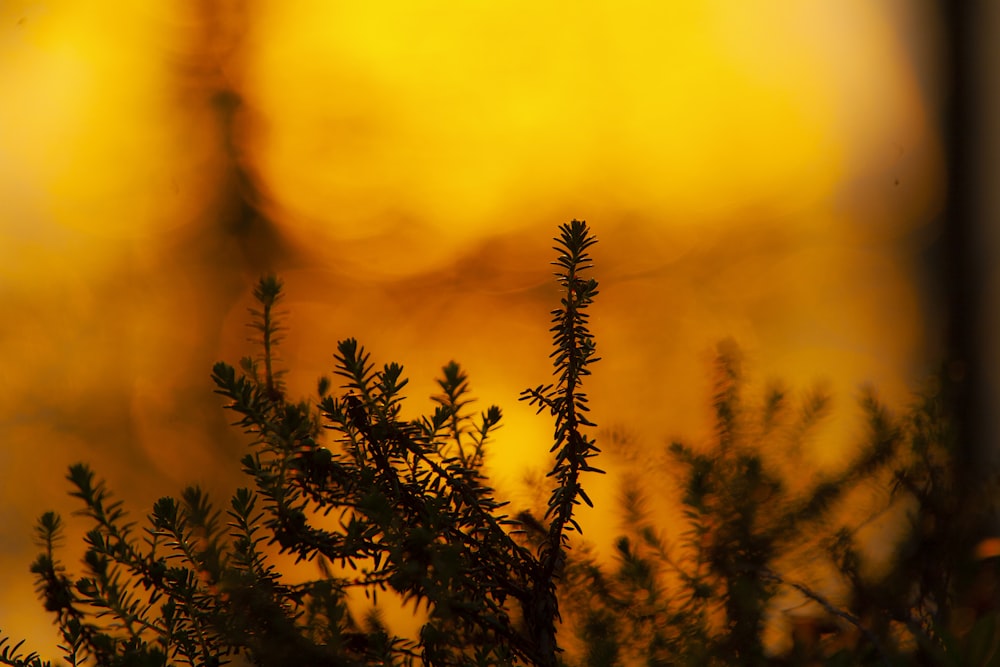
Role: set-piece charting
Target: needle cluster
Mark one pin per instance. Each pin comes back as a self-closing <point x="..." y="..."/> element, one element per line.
<point x="368" y="502"/>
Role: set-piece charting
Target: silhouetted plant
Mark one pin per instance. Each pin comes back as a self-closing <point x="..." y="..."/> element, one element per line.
<point x="371" y="503"/>
<point x="757" y="519"/>
<point x="574" y="353"/>
<point x="926" y="597"/>
<point x="378" y="502"/>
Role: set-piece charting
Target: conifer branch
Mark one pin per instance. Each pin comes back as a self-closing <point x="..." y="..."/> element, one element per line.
<point x="833" y="610"/>
<point x="574" y="352"/>
<point x="402" y="506"/>
<point x="268" y="293"/>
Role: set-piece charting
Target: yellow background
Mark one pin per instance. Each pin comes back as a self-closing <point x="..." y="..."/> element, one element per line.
<point x="767" y="171"/>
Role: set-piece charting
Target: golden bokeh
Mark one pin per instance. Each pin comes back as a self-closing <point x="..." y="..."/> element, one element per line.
<point x="758" y="171"/>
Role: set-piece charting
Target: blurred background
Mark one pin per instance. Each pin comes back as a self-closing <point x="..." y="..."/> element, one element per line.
<point x="774" y="175"/>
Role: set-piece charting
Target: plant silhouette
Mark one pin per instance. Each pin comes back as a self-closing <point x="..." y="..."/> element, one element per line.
<point x="379" y="503"/>
<point x="762" y="535"/>
<point x="370" y="503"/>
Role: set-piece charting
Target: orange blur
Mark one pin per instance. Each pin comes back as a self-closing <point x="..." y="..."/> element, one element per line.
<point x="763" y="174"/>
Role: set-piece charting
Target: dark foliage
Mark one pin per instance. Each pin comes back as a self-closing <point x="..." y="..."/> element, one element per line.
<point x="375" y="502"/>
<point x="763" y="539"/>
<point x="370" y="503"/>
